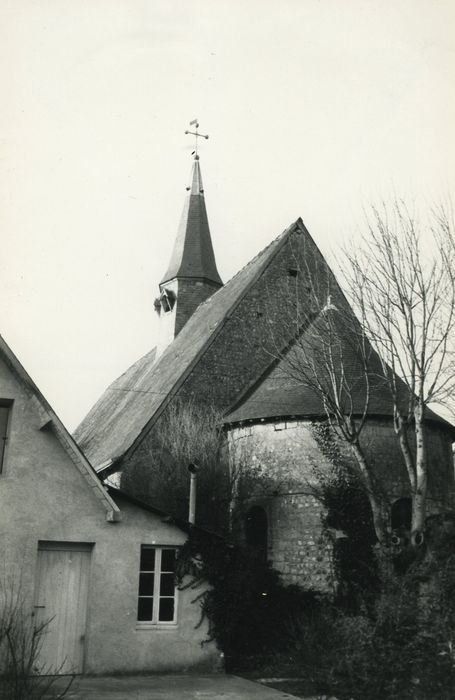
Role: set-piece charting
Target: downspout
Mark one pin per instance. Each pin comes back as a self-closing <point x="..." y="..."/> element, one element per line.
<point x="193" y="469"/>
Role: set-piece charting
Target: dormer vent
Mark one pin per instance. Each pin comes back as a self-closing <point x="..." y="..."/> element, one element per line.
<point x="167" y="300"/>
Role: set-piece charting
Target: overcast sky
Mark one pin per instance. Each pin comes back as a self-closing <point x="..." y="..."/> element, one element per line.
<point x="314" y="108"/>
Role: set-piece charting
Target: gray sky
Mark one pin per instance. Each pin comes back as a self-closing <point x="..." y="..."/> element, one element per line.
<point x="314" y="108"/>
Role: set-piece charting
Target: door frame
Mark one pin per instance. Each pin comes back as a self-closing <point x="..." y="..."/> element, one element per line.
<point x="68" y="546"/>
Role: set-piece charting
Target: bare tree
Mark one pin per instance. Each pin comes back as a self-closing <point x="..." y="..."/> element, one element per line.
<point x="229" y="475"/>
<point x="402" y="283"/>
<point x="324" y="357"/>
<point x="188" y="432"/>
<point x="392" y="351"/>
<point x="332" y="362"/>
<point x="22" y="675"/>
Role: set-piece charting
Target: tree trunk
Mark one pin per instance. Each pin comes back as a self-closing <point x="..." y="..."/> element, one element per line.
<point x="379" y="521"/>
<point x="401" y="431"/>
<point x="420" y="495"/>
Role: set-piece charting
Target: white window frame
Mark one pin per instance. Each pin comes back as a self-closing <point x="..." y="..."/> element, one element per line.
<point x="155" y="622"/>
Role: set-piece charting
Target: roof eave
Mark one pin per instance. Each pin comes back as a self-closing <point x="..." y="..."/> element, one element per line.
<point x="183" y="525"/>
<point x="50" y="419"/>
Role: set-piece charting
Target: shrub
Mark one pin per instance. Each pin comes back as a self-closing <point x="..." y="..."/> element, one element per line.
<point x="21" y="638"/>
<point x="248" y="608"/>
<point x="400" y="649"/>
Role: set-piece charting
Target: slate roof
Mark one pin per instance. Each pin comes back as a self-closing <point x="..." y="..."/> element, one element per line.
<point x="124" y="411"/>
<point x="193" y="255"/>
<point x="131" y="404"/>
<point x="286" y="387"/>
<point x="281" y="393"/>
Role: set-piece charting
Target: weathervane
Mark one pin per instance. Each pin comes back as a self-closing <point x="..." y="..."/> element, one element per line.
<point x="197" y="135"/>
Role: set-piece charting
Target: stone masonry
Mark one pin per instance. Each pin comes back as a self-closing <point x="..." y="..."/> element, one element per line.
<point x="283" y="454"/>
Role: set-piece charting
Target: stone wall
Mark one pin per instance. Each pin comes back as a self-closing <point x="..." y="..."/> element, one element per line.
<point x="283" y="455"/>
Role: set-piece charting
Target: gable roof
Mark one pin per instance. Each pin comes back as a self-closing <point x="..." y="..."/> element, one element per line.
<point x="193" y="255"/>
<point x="51" y="420"/>
<point x="129" y="406"/>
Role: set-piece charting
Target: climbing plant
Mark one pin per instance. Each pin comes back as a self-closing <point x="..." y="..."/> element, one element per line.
<point x="247" y="606"/>
<point x="348" y="518"/>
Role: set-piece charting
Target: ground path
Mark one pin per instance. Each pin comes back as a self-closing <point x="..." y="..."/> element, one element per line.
<point x="171" y="687"/>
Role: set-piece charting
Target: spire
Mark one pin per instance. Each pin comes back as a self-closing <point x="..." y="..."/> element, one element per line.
<point x="193" y="255"/>
<point x="196" y="181"/>
<point x="191" y="276"/>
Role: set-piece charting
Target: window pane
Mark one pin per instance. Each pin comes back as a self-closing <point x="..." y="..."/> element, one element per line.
<point x="166" y="610"/>
<point x="145" y="609"/>
<point x="256" y="528"/>
<point x="168" y="560"/>
<point x="4" y="410"/>
<point x="167" y="584"/>
<point x="146" y="584"/>
<point x="147" y="559"/>
<point x="402" y="514"/>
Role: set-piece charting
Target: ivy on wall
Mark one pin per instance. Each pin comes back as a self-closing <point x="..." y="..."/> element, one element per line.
<point x="248" y="608"/>
<point x="347" y="516"/>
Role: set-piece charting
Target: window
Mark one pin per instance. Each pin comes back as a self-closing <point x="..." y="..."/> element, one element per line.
<point x="5" y="409"/>
<point x="256" y="529"/>
<point x="401" y="514"/>
<point x="157" y="592"/>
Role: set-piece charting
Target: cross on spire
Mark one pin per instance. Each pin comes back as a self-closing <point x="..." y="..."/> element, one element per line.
<point x="197" y="135"/>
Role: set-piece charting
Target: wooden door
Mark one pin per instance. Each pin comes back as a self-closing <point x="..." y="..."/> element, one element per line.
<point x="61" y="595"/>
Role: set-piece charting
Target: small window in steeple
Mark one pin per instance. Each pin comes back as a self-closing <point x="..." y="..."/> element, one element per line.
<point x="167" y="300"/>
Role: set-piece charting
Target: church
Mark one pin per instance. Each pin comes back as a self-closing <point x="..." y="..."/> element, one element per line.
<point x="225" y="345"/>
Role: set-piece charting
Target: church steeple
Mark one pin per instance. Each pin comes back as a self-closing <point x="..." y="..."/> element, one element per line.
<point x="193" y="255"/>
<point x="192" y="275"/>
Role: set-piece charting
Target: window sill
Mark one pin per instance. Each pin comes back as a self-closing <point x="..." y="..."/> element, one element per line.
<point x="156" y="626"/>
